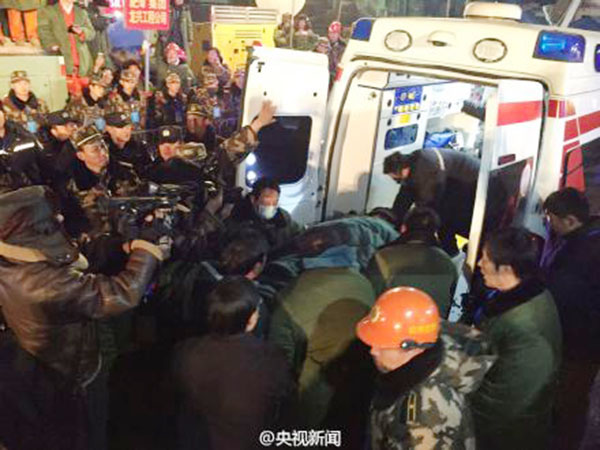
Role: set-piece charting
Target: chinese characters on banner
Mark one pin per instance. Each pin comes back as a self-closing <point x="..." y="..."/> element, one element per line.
<point x="146" y="14"/>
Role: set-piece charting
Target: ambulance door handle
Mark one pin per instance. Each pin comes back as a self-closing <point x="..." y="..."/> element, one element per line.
<point x="260" y="66"/>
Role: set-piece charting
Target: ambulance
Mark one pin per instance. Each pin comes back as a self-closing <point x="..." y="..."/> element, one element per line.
<point x="523" y="98"/>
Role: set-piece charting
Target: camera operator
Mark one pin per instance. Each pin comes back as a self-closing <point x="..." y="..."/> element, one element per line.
<point x="93" y="174"/>
<point x="57" y="393"/>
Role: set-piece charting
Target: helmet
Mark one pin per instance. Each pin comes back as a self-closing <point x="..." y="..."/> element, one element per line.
<point x="402" y="317"/>
<point x="335" y="27"/>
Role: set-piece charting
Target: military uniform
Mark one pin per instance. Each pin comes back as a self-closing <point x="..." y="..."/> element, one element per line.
<point x="133" y="105"/>
<point x="422" y="405"/>
<point x="57" y="156"/>
<point x="18" y="169"/>
<point x="81" y="191"/>
<point x="165" y="109"/>
<point x="134" y="153"/>
<point x="85" y="109"/>
<point x="30" y="113"/>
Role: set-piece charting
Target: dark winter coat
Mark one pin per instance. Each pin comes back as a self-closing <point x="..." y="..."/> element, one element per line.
<point x="232" y="389"/>
<point x="415" y="264"/>
<point x="574" y="280"/>
<point x="314" y="324"/>
<point x="448" y="188"/>
<point x="134" y="153"/>
<point x="513" y="406"/>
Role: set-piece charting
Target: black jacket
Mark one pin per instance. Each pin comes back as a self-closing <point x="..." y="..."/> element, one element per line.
<point x="449" y="188"/>
<point x="574" y="280"/>
<point x="232" y="389"/>
<point x="133" y="153"/>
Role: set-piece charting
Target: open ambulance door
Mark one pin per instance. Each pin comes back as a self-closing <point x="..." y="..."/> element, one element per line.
<point x="513" y="122"/>
<point x="290" y="149"/>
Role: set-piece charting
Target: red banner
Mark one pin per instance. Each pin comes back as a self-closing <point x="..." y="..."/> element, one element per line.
<point x="146" y="14"/>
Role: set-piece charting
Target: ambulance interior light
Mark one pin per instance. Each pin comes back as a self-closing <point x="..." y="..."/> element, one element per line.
<point x="560" y="46"/>
<point x="362" y="29"/>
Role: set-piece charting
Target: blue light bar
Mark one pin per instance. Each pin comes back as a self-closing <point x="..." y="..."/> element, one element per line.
<point x="362" y="29"/>
<point x="597" y="58"/>
<point x="560" y="46"/>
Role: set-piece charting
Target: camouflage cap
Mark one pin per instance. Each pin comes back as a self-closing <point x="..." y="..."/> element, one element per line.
<point x="58" y="118"/>
<point x="201" y="109"/>
<point x="128" y="75"/>
<point x="117" y="119"/>
<point x="18" y="75"/>
<point x="172" y="76"/>
<point x="209" y="76"/>
<point x="85" y="135"/>
<point x="97" y="79"/>
<point x="169" y="134"/>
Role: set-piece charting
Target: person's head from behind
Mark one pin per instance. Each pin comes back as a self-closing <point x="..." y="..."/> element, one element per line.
<point x="509" y="257"/>
<point x="233" y="307"/>
<point x="421" y="223"/>
<point x="397" y="166"/>
<point x="265" y="197"/>
<point x="245" y="255"/>
<point x="567" y="210"/>
<point x="403" y="323"/>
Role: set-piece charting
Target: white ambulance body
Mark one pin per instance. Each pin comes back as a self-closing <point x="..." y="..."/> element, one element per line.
<point x="402" y="82"/>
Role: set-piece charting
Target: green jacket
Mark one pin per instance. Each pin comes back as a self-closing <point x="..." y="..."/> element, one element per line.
<point x="53" y="31"/>
<point x="417" y="265"/>
<point x="22" y="5"/>
<point x="314" y="325"/>
<point x="512" y="408"/>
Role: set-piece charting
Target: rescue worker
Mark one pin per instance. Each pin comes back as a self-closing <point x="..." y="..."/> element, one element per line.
<point x="572" y="271"/>
<point x="66" y="28"/>
<point x="427" y="367"/>
<point x="233" y="386"/>
<point x="168" y="105"/>
<point x="126" y="98"/>
<point x="58" y="398"/>
<point x="18" y="155"/>
<point x="21" y="105"/>
<point x="416" y="260"/>
<point x="93" y="175"/>
<point x="174" y="62"/>
<point x="513" y="406"/>
<point x="442" y="179"/>
<point x="58" y="153"/>
<point x="318" y="339"/>
<point x="89" y="107"/>
<point x="121" y="146"/>
<point x="198" y="126"/>
<point x="260" y="210"/>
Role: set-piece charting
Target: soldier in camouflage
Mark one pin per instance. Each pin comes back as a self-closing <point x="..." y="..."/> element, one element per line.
<point x="93" y="175"/>
<point x="167" y="106"/>
<point x="21" y="105"/>
<point x="427" y="369"/>
<point x="126" y="98"/>
<point x="88" y="108"/>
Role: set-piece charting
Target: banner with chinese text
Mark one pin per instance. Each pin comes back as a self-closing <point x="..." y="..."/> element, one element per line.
<point x="146" y="14"/>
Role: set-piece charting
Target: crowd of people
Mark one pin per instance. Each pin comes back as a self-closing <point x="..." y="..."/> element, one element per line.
<point x="122" y="231"/>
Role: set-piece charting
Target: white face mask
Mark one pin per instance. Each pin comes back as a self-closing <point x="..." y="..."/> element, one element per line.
<point x="267" y="212"/>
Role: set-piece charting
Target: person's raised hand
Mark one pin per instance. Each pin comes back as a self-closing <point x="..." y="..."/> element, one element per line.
<point x="265" y="117"/>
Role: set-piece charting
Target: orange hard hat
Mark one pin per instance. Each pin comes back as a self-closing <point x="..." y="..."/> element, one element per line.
<point x="402" y="317"/>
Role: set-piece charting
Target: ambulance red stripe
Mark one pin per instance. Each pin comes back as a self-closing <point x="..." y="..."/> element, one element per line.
<point x="518" y="112"/>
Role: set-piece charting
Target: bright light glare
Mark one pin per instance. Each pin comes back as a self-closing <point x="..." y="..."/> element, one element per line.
<point x="251" y="176"/>
<point x="251" y="159"/>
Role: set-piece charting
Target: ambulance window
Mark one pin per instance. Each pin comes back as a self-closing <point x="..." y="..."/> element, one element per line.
<point x="397" y="137"/>
<point x="283" y="151"/>
<point x="591" y="173"/>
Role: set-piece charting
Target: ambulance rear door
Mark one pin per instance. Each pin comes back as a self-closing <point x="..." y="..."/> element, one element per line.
<point x="290" y="150"/>
<point x="513" y="125"/>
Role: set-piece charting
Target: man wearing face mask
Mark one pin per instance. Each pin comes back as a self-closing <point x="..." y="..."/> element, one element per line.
<point x="260" y="210"/>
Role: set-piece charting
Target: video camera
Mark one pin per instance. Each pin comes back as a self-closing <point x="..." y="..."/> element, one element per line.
<point x="129" y="216"/>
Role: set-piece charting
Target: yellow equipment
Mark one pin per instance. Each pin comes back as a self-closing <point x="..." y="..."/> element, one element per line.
<point x="233" y="29"/>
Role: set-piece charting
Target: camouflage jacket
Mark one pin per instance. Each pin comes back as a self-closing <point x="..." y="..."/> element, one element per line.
<point x="166" y="110"/>
<point x="133" y="105"/>
<point x="86" y="110"/>
<point x="79" y="195"/>
<point x="30" y="114"/>
<point x="433" y="413"/>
